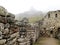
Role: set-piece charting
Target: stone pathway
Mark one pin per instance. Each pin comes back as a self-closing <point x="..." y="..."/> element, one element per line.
<point x="47" y="41"/>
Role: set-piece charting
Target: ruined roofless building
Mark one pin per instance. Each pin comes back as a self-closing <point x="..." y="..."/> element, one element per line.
<point x="51" y="22"/>
<point x="52" y="19"/>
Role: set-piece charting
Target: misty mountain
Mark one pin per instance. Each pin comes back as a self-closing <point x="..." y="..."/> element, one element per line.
<point x="29" y="14"/>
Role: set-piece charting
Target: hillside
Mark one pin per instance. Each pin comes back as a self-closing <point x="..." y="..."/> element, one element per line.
<point x="35" y="18"/>
<point x="32" y="15"/>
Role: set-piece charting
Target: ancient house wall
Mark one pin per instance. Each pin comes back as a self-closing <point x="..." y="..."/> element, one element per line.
<point x="51" y="22"/>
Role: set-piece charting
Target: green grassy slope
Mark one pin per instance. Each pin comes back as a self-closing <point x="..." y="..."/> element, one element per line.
<point x="35" y="18"/>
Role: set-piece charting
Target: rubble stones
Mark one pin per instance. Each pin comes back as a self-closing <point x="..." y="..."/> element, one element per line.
<point x="23" y="41"/>
<point x="9" y="29"/>
<point x="2" y="42"/>
<point x="3" y="11"/>
<point x="0" y="35"/>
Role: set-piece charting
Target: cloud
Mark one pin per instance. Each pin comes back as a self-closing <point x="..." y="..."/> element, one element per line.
<point x="19" y="6"/>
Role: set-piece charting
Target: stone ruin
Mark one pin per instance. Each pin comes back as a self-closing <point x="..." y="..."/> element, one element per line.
<point x="14" y="32"/>
<point x="6" y="24"/>
<point x="50" y="24"/>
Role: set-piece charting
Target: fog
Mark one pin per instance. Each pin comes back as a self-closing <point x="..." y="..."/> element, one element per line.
<point x="20" y="6"/>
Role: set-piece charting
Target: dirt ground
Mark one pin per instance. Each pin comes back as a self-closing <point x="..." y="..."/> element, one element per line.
<point x="47" y="41"/>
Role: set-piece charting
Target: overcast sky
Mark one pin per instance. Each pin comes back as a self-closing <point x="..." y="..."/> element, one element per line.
<point x="20" y="6"/>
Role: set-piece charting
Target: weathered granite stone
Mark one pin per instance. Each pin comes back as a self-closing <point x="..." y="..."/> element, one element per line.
<point x="2" y="41"/>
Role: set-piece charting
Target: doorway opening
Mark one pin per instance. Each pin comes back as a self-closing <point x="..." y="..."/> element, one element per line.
<point x="59" y="29"/>
<point x="51" y="32"/>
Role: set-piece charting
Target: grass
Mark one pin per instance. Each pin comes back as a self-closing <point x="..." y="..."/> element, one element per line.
<point x="34" y="19"/>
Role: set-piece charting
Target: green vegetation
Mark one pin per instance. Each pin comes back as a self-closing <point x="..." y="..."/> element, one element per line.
<point x="35" y="18"/>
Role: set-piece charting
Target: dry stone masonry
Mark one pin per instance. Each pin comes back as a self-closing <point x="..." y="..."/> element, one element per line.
<point x="50" y="24"/>
<point x="14" y="32"/>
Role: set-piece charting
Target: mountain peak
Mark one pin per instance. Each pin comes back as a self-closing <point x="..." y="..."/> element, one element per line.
<point x="32" y="9"/>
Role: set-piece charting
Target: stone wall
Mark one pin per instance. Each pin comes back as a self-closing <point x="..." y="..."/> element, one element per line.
<point x="51" y="22"/>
